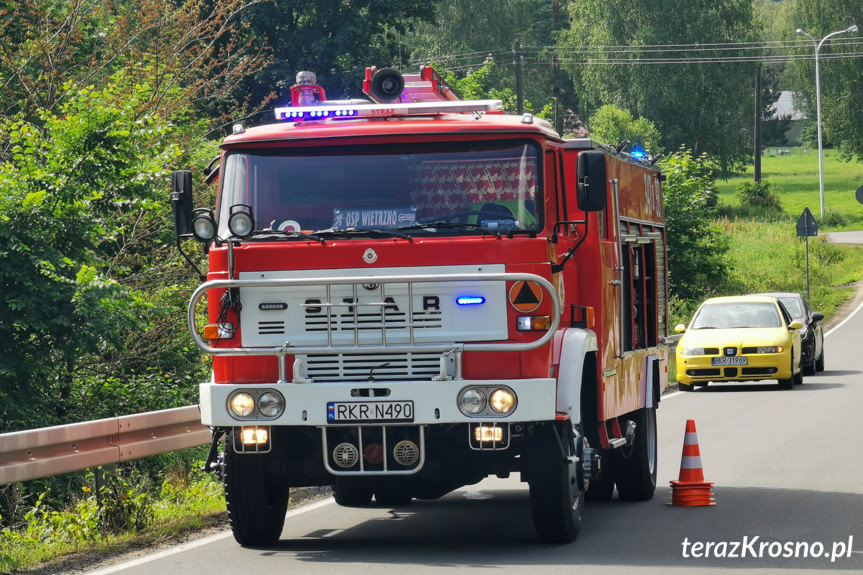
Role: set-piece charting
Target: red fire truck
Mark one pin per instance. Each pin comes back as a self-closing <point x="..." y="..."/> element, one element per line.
<point x="410" y="293"/>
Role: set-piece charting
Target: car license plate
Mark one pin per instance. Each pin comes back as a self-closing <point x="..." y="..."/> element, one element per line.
<point x="735" y="360"/>
<point x="370" y="411"/>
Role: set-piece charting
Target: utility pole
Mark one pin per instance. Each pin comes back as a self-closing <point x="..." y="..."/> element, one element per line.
<point x="756" y="134"/>
<point x="517" y="58"/>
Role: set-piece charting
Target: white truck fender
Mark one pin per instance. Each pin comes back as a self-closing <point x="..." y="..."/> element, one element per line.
<point x="571" y="347"/>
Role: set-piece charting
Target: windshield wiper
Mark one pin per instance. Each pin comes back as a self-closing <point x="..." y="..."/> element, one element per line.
<point x="446" y="224"/>
<point x="291" y="234"/>
<point x="364" y="231"/>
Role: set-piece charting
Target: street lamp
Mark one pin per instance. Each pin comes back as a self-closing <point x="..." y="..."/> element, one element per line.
<point x="818" y="103"/>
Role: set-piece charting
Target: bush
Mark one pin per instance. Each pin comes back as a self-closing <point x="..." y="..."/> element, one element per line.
<point x="759" y="195"/>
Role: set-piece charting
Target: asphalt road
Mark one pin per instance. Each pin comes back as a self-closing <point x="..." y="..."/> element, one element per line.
<point x="788" y="473"/>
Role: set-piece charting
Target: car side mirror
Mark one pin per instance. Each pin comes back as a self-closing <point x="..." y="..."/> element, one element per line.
<point x="680" y="328"/>
<point x="592" y="177"/>
<point x="817" y="315"/>
<point x="181" y="201"/>
<point x="795" y="325"/>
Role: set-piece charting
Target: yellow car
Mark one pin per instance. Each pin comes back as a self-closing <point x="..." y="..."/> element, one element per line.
<point x="740" y="338"/>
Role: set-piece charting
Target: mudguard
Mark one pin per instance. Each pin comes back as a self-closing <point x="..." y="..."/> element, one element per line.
<point x="571" y="345"/>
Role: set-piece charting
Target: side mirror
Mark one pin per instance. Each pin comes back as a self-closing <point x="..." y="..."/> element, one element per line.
<point x="817" y="316"/>
<point x="592" y="179"/>
<point x="680" y="328"/>
<point x="181" y="201"/>
<point x="795" y="325"/>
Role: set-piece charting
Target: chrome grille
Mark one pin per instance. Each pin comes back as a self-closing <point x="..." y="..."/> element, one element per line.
<point x="372" y="367"/>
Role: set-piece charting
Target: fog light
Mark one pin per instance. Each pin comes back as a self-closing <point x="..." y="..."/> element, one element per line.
<point x="255" y="435"/>
<point x="241" y="404"/>
<point x="271" y="404"/>
<point x="502" y="400"/>
<point x="241" y="223"/>
<point x="487" y="433"/>
<point x="472" y="401"/>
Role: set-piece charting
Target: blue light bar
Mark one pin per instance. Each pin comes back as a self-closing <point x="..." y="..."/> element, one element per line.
<point x="470" y="300"/>
<point x="300" y="113"/>
<point x="637" y="153"/>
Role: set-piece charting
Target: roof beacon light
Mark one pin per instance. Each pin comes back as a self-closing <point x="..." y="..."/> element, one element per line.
<point x="300" y="113"/>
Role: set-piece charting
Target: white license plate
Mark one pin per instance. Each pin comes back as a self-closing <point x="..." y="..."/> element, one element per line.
<point x="736" y="360"/>
<point x="370" y="411"/>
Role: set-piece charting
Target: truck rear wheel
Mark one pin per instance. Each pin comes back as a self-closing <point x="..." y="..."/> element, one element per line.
<point x="255" y="495"/>
<point x="352" y="491"/>
<point x="635" y="466"/>
<point x="556" y="493"/>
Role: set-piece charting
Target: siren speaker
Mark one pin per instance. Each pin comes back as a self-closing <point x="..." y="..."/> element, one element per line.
<point x="387" y="85"/>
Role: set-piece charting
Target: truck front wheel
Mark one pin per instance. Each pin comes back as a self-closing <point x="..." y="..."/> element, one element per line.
<point x="556" y="493"/>
<point x="255" y="495"/>
<point x="635" y="465"/>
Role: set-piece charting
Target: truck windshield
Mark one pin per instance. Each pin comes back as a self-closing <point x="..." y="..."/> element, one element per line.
<point x="466" y="188"/>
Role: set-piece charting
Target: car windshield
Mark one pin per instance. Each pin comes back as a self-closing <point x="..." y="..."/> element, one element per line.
<point x="726" y="315"/>
<point x="792" y="304"/>
<point x="465" y="188"/>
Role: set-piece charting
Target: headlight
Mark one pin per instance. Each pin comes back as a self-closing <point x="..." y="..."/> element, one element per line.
<point x="472" y="401"/>
<point x="770" y="349"/>
<point x="241" y="222"/>
<point x="804" y="333"/>
<point x="271" y="404"/>
<point x="692" y="351"/>
<point x="241" y="404"/>
<point x="502" y="400"/>
<point x="204" y="227"/>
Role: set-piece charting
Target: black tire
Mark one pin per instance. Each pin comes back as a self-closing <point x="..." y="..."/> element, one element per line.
<point x="635" y="466"/>
<point x="788" y="383"/>
<point x="256" y="495"/>
<point x="602" y="489"/>
<point x="810" y="368"/>
<point x="556" y="494"/>
<point x="685" y="386"/>
<point x="352" y="491"/>
<point x="819" y="363"/>
<point x="392" y="492"/>
<point x="798" y="377"/>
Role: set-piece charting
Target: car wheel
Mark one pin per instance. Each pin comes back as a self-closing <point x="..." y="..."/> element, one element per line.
<point x="255" y="495"/>
<point x="810" y="367"/>
<point x="635" y="468"/>
<point x="819" y="363"/>
<point x="789" y="383"/>
<point x="798" y="378"/>
<point x="352" y="491"/>
<point x="556" y="493"/>
<point x="685" y="386"/>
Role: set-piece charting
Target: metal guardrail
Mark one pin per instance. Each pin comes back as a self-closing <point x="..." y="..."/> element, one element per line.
<point x="36" y="453"/>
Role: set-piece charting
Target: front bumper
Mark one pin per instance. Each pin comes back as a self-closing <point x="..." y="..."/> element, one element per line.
<point x="434" y="402"/>
<point x="696" y="369"/>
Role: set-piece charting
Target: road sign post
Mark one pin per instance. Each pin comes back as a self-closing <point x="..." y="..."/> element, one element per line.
<point x="807" y="226"/>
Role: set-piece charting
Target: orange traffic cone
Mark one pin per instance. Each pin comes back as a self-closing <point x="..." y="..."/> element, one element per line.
<point x="690" y="490"/>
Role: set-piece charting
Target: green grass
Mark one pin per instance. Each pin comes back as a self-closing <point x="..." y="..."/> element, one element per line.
<point x="795" y="177"/>
<point x="185" y="504"/>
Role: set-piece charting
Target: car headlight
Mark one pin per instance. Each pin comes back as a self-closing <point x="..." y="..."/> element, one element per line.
<point x="472" y="401"/>
<point x="241" y="404"/>
<point x="804" y="333"/>
<point x="271" y="404"/>
<point x="770" y="349"/>
<point x="502" y="400"/>
<point x="692" y="351"/>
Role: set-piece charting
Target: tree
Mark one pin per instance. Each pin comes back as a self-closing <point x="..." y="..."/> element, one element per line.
<point x="697" y="248"/>
<point x="612" y="125"/>
<point x="841" y="77"/>
<point x="332" y="38"/>
<point x="465" y="33"/>
<point x="705" y="106"/>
